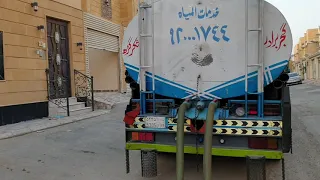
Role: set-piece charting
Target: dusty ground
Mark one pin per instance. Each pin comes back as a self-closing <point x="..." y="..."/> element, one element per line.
<point x="94" y="150"/>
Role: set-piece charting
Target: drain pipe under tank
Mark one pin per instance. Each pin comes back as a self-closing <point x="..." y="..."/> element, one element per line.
<point x="207" y="154"/>
<point x="180" y="140"/>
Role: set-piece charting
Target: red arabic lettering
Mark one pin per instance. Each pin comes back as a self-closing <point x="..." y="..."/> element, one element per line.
<point x="135" y="45"/>
<point x="271" y="42"/>
<point x="129" y="46"/>
<point x="266" y="41"/>
<point x="126" y="51"/>
<point x="274" y="42"/>
<point x="283" y="35"/>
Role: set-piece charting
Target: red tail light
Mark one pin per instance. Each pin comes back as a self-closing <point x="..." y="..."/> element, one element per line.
<point x="135" y="136"/>
<point x="253" y="112"/>
<point x="142" y="136"/>
<point x="263" y="143"/>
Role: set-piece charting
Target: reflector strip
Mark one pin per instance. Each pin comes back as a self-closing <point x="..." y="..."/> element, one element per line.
<point x="175" y="120"/>
<point x="237" y="123"/>
<point x="174" y="128"/>
<point x="246" y="123"/>
<point x="246" y="131"/>
<point x="224" y="127"/>
<point x="224" y="131"/>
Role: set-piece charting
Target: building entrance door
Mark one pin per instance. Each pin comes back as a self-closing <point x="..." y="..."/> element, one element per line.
<point x="58" y="57"/>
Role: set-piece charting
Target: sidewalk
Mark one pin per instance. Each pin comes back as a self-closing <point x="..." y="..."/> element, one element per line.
<point x="312" y="81"/>
<point x="22" y="128"/>
<point x="112" y="98"/>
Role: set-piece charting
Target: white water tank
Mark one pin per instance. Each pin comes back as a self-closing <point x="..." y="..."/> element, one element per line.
<point x="199" y="47"/>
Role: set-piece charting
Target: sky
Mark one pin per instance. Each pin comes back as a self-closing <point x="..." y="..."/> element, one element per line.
<point x="300" y="14"/>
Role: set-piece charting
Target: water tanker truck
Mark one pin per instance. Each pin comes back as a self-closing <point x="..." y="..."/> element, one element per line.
<point x="208" y="77"/>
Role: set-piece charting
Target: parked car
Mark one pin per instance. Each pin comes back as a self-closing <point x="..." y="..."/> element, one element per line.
<point x="294" y="78"/>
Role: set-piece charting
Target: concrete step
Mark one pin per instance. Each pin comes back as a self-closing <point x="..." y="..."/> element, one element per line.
<point x="77" y="105"/>
<point x="72" y="105"/>
<point x="60" y="110"/>
<point x="73" y="100"/>
<point x="63" y="101"/>
<point x="73" y="112"/>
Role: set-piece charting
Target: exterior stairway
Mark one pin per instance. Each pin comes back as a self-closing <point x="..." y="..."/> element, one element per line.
<point x="58" y="107"/>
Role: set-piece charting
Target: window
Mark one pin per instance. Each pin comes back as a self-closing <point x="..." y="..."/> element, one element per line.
<point x="106" y="9"/>
<point x="1" y="57"/>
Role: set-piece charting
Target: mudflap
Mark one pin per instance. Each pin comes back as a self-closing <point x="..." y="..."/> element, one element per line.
<point x="149" y="163"/>
<point x="259" y="168"/>
<point x="127" y="161"/>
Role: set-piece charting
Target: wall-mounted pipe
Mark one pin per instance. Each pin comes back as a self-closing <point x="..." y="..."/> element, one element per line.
<point x="207" y="155"/>
<point x="180" y="140"/>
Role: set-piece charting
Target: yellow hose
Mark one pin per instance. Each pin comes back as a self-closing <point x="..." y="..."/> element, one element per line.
<point x="180" y="141"/>
<point x="207" y="155"/>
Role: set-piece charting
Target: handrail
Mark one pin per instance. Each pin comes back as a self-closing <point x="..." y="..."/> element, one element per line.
<point x="52" y="98"/>
<point x="82" y="73"/>
<point x="84" y="87"/>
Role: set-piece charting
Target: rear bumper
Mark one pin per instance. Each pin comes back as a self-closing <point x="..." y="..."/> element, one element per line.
<point x="268" y="154"/>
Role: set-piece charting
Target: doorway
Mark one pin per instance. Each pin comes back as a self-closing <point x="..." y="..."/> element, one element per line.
<point x="58" y="59"/>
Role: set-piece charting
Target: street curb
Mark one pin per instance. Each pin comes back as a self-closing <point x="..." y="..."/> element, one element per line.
<point x="313" y="82"/>
<point x="43" y="124"/>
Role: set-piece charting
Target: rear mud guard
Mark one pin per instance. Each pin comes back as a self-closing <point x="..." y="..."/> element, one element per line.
<point x="256" y="167"/>
<point x="127" y="161"/>
<point x="259" y="168"/>
<point x="149" y="163"/>
<point x="287" y="131"/>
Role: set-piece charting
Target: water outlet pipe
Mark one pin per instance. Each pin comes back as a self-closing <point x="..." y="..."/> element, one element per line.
<point x="207" y="154"/>
<point x="180" y="140"/>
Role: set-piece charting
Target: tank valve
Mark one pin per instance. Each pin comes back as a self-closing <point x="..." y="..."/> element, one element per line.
<point x="200" y="105"/>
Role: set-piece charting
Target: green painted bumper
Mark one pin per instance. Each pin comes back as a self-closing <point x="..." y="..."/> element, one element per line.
<point x="215" y="151"/>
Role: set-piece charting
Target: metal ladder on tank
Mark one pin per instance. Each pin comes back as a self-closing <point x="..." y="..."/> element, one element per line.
<point x="143" y="37"/>
<point x="260" y="64"/>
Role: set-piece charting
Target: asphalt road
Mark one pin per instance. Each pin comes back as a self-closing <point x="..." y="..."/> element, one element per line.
<point x="94" y="150"/>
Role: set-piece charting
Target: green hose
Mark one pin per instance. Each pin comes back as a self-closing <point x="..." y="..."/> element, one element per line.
<point x="207" y="155"/>
<point x="180" y="141"/>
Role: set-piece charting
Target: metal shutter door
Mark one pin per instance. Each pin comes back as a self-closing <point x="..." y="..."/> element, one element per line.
<point x="103" y="41"/>
<point x="100" y="24"/>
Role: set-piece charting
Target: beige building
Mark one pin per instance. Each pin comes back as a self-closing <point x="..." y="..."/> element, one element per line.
<point x="104" y="21"/>
<point x="34" y="34"/>
<point x="307" y="55"/>
<point x="43" y="43"/>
